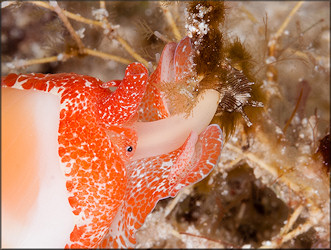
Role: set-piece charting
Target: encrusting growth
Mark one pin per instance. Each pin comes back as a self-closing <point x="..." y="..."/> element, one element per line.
<point x="220" y="63"/>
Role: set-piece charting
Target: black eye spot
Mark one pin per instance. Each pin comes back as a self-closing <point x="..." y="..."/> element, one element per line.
<point x="129" y="149"/>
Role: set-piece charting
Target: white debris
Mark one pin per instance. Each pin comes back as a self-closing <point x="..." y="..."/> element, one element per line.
<point x="80" y="32"/>
<point x="10" y="65"/>
<point x="203" y="28"/>
<point x="16" y="64"/>
<point x="196" y="24"/>
<point x="60" y="57"/>
<point x="272" y="42"/>
<point x="100" y="14"/>
<point x="279" y="131"/>
<point x="266" y="243"/>
<point x="270" y="59"/>
<point x="53" y="3"/>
